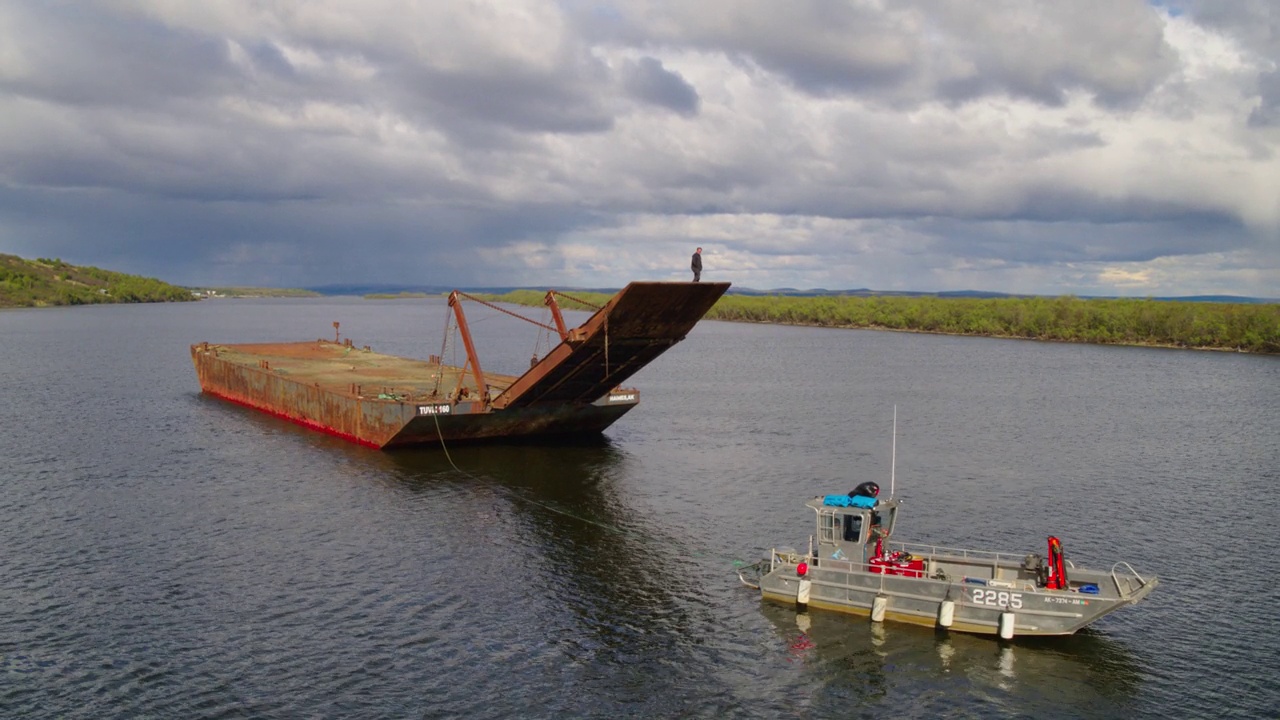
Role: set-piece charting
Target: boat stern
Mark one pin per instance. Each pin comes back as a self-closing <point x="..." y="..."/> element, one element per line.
<point x="752" y="574"/>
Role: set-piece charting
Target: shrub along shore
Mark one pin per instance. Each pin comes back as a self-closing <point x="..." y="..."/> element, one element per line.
<point x="46" y="282"/>
<point x="1241" y="327"/>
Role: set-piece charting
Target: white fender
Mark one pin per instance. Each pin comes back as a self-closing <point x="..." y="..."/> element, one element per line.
<point x="946" y="613"/>
<point x="1006" y="625"/>
<point x="878" y="607"/>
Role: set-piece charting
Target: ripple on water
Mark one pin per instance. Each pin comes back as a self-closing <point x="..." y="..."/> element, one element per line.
<point x="168" y="555"/>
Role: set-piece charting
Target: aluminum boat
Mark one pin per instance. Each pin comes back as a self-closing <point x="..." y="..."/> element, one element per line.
<point x="852" y="565"/>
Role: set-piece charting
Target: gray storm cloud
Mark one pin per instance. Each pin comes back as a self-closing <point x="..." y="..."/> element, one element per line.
<point x="1093" y="148"/>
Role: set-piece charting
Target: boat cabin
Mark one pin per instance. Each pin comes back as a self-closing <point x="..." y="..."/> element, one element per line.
<point x="852" y="527"/>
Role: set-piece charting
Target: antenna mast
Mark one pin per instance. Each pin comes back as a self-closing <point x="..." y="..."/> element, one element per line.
<point x="893" y="462"/>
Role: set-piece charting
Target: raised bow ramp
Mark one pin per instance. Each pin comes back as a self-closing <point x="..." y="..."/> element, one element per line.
<point x="636" y="326"/>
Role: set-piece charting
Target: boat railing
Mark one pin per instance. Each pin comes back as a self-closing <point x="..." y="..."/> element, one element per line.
<point x="750" y="574"/>
<point x="974" y="556"/>
<point x="783" y="556"/>
<point x="1127" y="580"/>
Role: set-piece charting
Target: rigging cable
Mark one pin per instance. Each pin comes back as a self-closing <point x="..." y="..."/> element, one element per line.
<point x="504" y="310"/>
<point x="580" y="302"/>
<point x="444" y="343"/>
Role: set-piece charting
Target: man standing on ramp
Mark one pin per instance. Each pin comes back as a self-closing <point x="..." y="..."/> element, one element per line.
<point x="697" y="265"/>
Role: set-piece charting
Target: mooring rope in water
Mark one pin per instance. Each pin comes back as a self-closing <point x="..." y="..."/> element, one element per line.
<point x="440" y="435"/>
<point x="512" y="494"/>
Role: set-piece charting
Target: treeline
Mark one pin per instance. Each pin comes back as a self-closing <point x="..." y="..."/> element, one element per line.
<point x="44" y="281"/>
<point x="1244" y="327"/>
<point x="1234" y="326"/>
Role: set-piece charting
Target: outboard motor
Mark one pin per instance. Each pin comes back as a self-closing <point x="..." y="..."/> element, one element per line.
<point x="868" y="489"/>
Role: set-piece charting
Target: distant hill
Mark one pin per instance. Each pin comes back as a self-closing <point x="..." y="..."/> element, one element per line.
<point x="43" y="282"/>
<point x="251" y="292"/>
<point x="384" y="290"/>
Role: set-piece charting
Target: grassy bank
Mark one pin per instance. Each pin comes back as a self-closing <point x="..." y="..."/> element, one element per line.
<point x="43" y="282"/>
<point x="1202" y="325"/>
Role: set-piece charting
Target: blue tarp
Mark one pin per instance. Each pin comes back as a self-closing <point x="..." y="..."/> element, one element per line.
<point x="861" y="501"/>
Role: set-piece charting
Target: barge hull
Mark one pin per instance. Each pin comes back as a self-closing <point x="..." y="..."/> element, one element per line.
<point x="283" y="386"/>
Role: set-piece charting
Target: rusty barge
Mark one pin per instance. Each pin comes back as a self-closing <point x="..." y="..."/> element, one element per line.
<point x="383" y="401"/>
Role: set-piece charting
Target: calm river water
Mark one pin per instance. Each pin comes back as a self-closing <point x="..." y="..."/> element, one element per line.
<point x="164" y="554"/>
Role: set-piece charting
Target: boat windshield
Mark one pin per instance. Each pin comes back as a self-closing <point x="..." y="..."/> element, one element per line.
<point x="883" y="519"/>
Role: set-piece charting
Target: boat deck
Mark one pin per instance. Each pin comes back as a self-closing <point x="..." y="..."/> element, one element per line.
<point x="353" y="371"/>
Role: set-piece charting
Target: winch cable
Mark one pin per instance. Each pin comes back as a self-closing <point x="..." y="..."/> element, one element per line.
<point x="593" y="306"/>
<point x="444" y="343"/>
<point x="504" y="310"/>
<point x="544" y="336"/>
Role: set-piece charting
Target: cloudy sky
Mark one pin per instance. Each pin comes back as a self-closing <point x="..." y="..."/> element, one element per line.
<point x="1088" y="146"/>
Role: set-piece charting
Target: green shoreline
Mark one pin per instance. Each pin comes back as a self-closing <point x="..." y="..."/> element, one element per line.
<point x="46" y="282"/>
<point x="1232" y="327"/>
<point x="50" y="282"/>
<point x="1223" y="326"/>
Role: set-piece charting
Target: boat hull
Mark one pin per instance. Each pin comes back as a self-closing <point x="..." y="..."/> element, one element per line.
<point x="978" y="603"/>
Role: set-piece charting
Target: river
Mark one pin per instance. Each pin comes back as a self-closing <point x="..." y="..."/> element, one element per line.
<point x="166" y="554"/>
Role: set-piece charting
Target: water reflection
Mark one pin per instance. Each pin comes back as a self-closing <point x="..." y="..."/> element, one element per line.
<point x="170" y="556"/>
<point x="633" y="598"/>
<point x="1085" y="674"/>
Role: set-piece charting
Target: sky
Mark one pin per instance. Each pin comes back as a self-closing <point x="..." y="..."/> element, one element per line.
<point x="1088" y="147"/>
